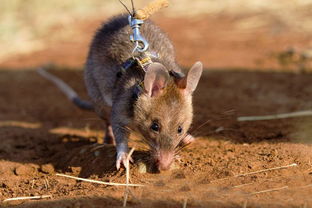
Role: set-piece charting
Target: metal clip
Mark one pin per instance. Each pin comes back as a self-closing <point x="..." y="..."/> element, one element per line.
<point x="141" y="44"/>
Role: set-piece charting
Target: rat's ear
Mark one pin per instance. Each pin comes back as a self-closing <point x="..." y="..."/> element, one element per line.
<point x="190" y="81"/>
<point x="155" y="79"/>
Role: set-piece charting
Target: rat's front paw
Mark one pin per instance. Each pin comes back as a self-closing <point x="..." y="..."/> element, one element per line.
<point x="122" y="159"/>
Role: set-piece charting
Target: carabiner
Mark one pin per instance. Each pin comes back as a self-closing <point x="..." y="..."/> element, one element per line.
<point x="141" y="45"/>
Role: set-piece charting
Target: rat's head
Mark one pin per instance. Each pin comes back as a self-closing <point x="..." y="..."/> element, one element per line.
<point x="163" y="112"/>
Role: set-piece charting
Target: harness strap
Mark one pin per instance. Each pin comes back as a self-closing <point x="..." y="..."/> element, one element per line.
<point x="143" y="60"/>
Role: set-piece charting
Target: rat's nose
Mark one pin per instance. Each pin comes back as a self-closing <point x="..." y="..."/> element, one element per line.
<point x="164" y="160"/>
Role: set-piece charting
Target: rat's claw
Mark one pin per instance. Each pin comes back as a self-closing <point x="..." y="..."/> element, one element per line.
<point x="122" y="159"/>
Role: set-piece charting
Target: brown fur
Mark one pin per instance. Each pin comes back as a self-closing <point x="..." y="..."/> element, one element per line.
<point x="162" y="98"/>
<point x="170" y="109"/>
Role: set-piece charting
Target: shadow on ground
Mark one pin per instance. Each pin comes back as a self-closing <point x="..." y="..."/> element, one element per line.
<point x="31" y="109"/>
<point x="114" y="202"/>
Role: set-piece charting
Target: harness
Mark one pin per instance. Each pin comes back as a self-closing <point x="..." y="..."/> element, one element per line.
<point x="143" y="60"/>
<point x="141" y="57"/>
<point x="136" y="18"/>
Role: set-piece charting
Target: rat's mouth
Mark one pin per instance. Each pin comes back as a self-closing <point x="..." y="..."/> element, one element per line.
<point x="163" y="160"/>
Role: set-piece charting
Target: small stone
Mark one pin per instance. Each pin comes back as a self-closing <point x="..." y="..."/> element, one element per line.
<point x="174" y="166"/>
<point x="8" y="184"/>
<point x="185" y="188"/>
<point x="77" y="205"/>
<point x="219" y="129"/>
<point x="24" y="170"/>
<point x="179" y="175"/>
<point x="3" y="185"/>
<point x="142" y="167"/>
<point x="75" y="170"/>
<point x="160" y="183"/>
<point x="204" y="181"/>
<point x="47" y="168"/>
<point x="97" y="153"/>
<point x="82" y="151"/>
<point x="14" y="203"/>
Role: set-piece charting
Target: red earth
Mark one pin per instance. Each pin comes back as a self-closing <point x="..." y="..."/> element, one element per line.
<point x="42" y="133"/>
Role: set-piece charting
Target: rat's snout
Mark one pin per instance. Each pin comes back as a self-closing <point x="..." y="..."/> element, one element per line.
<point x="164" y="160"/>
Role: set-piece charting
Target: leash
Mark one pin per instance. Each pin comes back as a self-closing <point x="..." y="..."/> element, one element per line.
<point x="136" y="19"/>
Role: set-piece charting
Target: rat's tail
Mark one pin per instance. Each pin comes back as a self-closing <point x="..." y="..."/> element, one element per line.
<point x="67" y="90"/>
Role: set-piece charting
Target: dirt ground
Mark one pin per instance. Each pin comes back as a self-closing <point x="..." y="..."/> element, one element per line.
<point x="42" y="133"/>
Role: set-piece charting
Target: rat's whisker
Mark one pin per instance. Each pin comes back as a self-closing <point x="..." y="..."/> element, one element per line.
<point x="182" y="145"/>
<point x="203" y="124"/>
<point x="127" y="129"/>
<point x="178" y="150"/>
<point x="148" y="142"/>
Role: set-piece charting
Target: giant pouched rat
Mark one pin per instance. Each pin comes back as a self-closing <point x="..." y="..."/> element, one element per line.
<point x="162" y="111"/>
<point x="157" y="102"/>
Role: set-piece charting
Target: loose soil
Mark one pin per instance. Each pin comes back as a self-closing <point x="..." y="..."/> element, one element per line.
<point x="42" y="133"/>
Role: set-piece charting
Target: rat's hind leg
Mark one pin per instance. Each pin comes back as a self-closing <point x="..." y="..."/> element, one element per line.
<point x="101" y="105"/>
<point x="104" y="114"/>
<point x="109" y="135"/>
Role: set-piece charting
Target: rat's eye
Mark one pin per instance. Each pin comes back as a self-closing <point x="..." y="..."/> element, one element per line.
<point x="180" y="130"/>
<point x="155" y="126"/>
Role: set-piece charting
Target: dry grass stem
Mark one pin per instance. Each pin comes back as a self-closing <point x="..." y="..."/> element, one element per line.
<point x="127" y="177"/>
<point x="184" y="203"/>
<point x="32" y="183"/>
<point x="242" y="185"/>
<point x="125" y="198"/>
<point x="46" y="183"/>
<point x="99" y="182"/>
<point x="127" y="165"/>
<point x="98" y="147"/>
<point x="245" y="204"/>
<point x="28" y="197"/>
<point x="255" y="172"/>
<point x="306" y="186"/>
<point x="21" y="124"/>
<point x="265" y="170"/>
<point x="277" y="116"/>
<point x="269" y="190"/>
